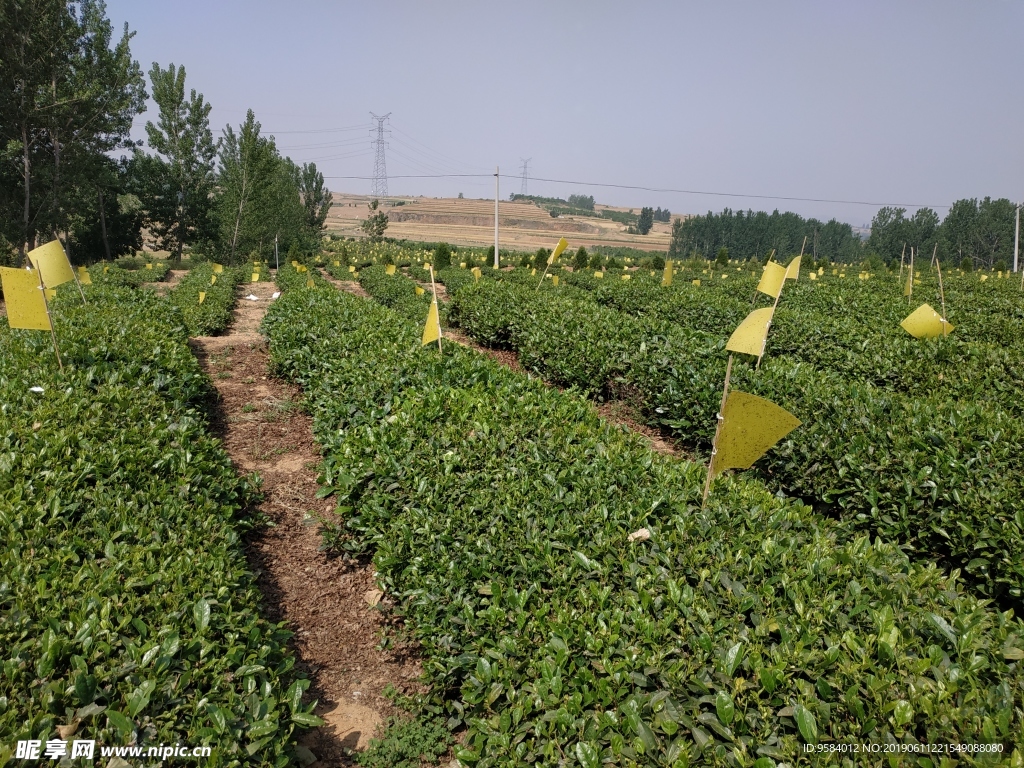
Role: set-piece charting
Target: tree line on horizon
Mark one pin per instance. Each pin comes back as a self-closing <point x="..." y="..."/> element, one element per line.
<point x="69" y="168"/>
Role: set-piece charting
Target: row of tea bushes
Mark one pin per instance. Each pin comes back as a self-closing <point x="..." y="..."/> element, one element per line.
<point x="128" y="613"/>
<point x="500" y="513"/>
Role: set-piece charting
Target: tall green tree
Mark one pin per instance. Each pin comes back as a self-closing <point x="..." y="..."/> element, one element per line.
<point x="248" y="163"/>
<point x="316" y="202"/>
<point x="890" y="230"/>
<point x="179" y="208"/>
<point x="70" y="93"/>
<point x="646" y="221"/>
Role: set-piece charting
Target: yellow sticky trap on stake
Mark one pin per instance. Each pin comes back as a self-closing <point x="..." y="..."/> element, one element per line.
<point x="218" y="269"/>
<point x="821" y="271"/>
<point x="389" y="269"/>
<point x="106" y="269"/>
<point x="793" y="270"/>
<point x="51" y="293"/>
<point x="835" y="271"/>
<point x="599" y="275"/>
<point x="533" y="272"/>
<point x="666" y="277"/>
<point x="149" y="265"/>
<point x="351" y="268"/>
<point x="427" y="266"/>
<point x="477" y="273"/>
<point x="295" y="264"/>
<point x="255" y="277"/>
<point x="750" y="426"/>
<point x="432" y="328"/>
<point x="309" y="282"/>
<point x="462" y="265"/>
<point x="813" y="275"/>
<point x="83" y="276"/>
<point x="984" y="278"/>
<point x="52" y="264"/>
<point x="26" y="307"/>
<point x="925" y="323"/>
<point x="772" y="278"/>
<point x="626" y="277"/>
<point x="202" y="296"/>
<point x="213" y="279"/>
<point x="554" y="280"/>
<point x="337" y="263"/>
<point x="697" y="281"/>
<point x="419" y="291"/>
<point x="749" y="336"/>
<point x="908" y="286"/>
<point x="559" y="249"/>
<point x="724" y="276"/>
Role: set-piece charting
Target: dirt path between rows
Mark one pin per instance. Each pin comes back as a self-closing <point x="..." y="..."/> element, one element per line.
<point x="172" y="278"/>
<point x="327" y="601"/>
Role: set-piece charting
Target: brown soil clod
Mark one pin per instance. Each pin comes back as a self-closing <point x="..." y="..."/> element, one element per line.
<point x="323" y="598"/>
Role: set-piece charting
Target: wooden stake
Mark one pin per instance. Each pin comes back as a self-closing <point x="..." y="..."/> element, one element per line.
<point x="49" y="317"/>
<point x="74" y="272"/>
<point x="718" y="430"/>
<point x="903" y="254"/>
<point x="942" y="297"/>
<point x="910" y="296"/>
<point x="775" y="306"/>
<point x="434" y="289"/>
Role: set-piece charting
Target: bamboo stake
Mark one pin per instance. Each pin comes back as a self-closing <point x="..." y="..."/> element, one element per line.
<point x="74" y="272"/>
<point x="942" y="297"/>
<point x="910" y="296"/>
<point x="718" y="430"/>
<point x="49" y="317"/>
<point x="775" y="306"/>
<point x="433" y="288"/>
<point x="903" y="254"/>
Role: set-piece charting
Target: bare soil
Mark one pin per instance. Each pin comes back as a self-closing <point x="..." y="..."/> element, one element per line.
<point x="329" y="602"/>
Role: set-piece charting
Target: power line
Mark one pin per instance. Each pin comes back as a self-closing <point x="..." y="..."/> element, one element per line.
<point x="526" y="164"/>
<point x="666" y="190"/>
<point x="380" y="171"/>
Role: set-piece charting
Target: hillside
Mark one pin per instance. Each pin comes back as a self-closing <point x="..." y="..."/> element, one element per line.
<point x="524" y="226"/>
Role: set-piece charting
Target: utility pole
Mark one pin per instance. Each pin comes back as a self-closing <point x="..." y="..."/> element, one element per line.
<point x="380" y="171"/>
<point x="526" y="163"/>
<point x="497" y="263"/>
<point x="1016" y="239"/>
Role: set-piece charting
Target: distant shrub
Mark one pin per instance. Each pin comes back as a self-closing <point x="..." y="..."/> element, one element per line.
<point x="442" y="256"/>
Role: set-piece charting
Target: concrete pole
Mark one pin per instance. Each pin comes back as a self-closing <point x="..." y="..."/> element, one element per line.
<point x="1016" y="239"/>
<point x="497" y="262"/>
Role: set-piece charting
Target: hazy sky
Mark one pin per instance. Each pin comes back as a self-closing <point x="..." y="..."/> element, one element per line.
<point x="911" y="103"/>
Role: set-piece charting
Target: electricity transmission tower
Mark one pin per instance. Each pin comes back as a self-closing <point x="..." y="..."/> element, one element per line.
<point x="526" y="163"/>
<point x="380" y="171"/>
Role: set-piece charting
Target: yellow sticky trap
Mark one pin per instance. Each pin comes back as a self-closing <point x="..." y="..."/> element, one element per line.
<point x="984" y="278"/>
<point x="255" y="277"/>
<point x="999" y="274"/>
<point x="908" y="286"/>
<point x="149" y="265"/>
<point x="835" y="271"/>
<point x="217" y="269"/>
<point x="52" y="263"/>
<point x="554" y="280"/>
<point x="724" y="276"/>
<point x="697" y="281"/>
<point x="337" y="263"/>
<point x="842" y="274"/>
<point x="749" y="337"/>
<point x="26" y="307"/>
<point x="793" y="270"/>
<point x="477" y="273"/>
<point x="750" y="426"/>
<point x="626" y="277"/>
<point x="419" y="291"/>
<point x="917" y="274"/>
<point x="427" y="266"/>
<point x="925" y="323"/>
<point x="772" y="278"/>
<point x="432" y="328"/>
<point x="83" y="276"/>
<point x="213" y="279"/>
<point x="533" y="271"/>
<point x="202" y="296"/>
<point x="106" y="269"/>
<point x="821" y="271"/>
<point x="309" y="282"/>
<point x="813" y="275"/>
<point x="666" y="277"/>
<point x="599" y="275"/>
<point x="51" y="293"/>
<point x="462" y="265"/>
<point x="389" y="269"/>
<point x="351" y="268"/>
<point x="562" y="245"/>
<point x="303" y="268"/>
